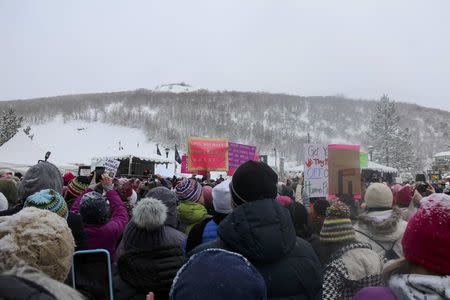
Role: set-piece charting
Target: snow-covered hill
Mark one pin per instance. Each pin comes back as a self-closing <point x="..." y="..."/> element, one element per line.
<point x="268" y="121"/>
<point x="77" y="142"/>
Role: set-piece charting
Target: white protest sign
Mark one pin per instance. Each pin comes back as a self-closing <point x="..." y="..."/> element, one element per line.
<point x="111" y="166"/>
<point x="316" y="170"/>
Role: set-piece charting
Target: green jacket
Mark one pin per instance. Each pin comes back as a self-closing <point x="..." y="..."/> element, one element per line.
<point x="190" y="214"/>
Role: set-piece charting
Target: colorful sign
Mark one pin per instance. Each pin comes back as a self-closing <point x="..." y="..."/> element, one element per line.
<point x="184" y="167"/>
<point x="344" y="169"/>
<point x="207" y="154"/>
<point x="316" y="170"/>
<point x="239" y="154"/>
<point x="363" y="160"/>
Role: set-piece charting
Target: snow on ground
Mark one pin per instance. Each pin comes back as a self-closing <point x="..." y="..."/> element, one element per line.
<point x="77" y="142"/>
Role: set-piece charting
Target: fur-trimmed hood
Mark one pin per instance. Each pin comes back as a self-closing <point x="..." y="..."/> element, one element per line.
<point x="382" y="222"/>
<point x="149" y="214"/>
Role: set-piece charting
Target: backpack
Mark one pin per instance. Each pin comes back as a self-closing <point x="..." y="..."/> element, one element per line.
<point x="389" y="254"/>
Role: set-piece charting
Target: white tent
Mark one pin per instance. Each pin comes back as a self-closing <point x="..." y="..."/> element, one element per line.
<point x="377" y="167"/>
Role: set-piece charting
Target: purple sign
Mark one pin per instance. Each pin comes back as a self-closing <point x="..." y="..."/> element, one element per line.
<point x="239" y="154"/>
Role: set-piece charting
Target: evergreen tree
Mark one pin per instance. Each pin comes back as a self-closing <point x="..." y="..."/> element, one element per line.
<point x="10" y="124"/>
<point x="391" y="144"/>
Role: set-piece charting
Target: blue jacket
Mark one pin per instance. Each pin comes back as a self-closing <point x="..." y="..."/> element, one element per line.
<point x="210" y="232"/>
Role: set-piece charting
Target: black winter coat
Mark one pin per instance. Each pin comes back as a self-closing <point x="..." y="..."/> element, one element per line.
<point x="263" y="232"/>
<point x="141" y="272"/>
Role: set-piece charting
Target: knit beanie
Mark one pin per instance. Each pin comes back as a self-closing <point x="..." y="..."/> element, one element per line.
<point x="39" y="238"/>
<point x="378" y="195"/>
<point x="207" y="194"/>
<point x="76" y="187"/>
<point x="403" y="196"/>
<point x="94" y="209"/>
<point x="426" y="240"/>
<point x="3" y="202"/>
<point x="9" y="188"/>
<point x="239" y="279"/>
<point x="124" y="188"/>
<point x="284" y="200"/>
<point x="67" y="178"/>
<point x="188" y="190"/>
<point x="170" y="200"/>
<point x="222" y="197"/>
<point x="39" y="177"/>
<point x="148" y="216"/>
<point x="253" y="180"/>
<point x="48" y="200"/>
<point x="337" y="226"/>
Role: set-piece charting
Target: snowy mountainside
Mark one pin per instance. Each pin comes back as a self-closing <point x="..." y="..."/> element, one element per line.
<point x="266" y="120"/>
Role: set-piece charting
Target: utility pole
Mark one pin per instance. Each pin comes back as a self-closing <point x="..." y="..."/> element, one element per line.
<point x="276" y="166"/>
<point x="308" y="138"/>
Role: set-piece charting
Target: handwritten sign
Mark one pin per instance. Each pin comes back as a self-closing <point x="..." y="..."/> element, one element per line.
<point x="344" y="169"/>
<point x="316" y="170"/>
<point x="111" y="166"/>
<point x="207" y="154"/>
<point x="239" y="154"/>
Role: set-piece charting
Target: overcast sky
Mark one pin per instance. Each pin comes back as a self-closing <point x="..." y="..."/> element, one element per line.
<point x="354" y="48"/>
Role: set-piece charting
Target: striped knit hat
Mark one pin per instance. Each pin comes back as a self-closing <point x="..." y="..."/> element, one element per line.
<point x="76" y="187"/>
<point x="188" y="190"/>
<point x="49" y="200"/>
<point x="337" y="226"/>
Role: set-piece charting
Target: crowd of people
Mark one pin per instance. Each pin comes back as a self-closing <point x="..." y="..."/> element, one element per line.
<point x="246" y="237"/>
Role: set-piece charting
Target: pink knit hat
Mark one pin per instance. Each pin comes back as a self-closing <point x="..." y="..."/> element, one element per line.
<point x="426" y="241"/>
<point x="207" y="194"/>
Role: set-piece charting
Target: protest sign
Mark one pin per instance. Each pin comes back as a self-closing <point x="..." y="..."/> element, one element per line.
<point x="344" y="169"/>
<point x="207" y="154"/>
<point x="239" y="154"/>
<point x="316" y="170"/>
<point x="184" y="167"/>
<point x="363" y="160"/>
<point x="111" y="166"/>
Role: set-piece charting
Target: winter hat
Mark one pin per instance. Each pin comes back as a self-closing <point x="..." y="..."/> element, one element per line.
<point x="284" y="200"/>
<point x="207" y="194"/>
<point x="170" y="200"/>
<point x="6" y="173"/>
<point x="9" y="188"/>
<point x="188" y="190"/>
<point x="149" y="215"/>
<point x="3" y="202"/>
<point x="93" y="208"/>
<point x="124" y="188"/>
<point x="38" y="237"/>
<point x="403" y="196"/>
<point x="67" y="178"/>
<point x="76" y="187"/>
<point x="238" y="280"/>
<point x="253" y="181"/>
<point x="39" y="177"/>
<point x="378" y="195"/>
<point x="222" y="197"/>
<point x="337" y="226"/>
<point x="426" y="240"/>
<point x="48" y="200"/>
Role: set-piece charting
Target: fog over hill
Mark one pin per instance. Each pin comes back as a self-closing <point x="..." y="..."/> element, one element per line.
<point x="266" y="120"/>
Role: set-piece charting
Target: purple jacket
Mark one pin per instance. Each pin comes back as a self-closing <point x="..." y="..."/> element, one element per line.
<point x="374" y="293"/>
<point x="105" y="236"/>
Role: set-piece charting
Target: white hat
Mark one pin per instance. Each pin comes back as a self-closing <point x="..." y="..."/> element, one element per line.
<point x="222" y="197"/>
<point x="378" y="195"/>
<point x="3" y="202"/>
